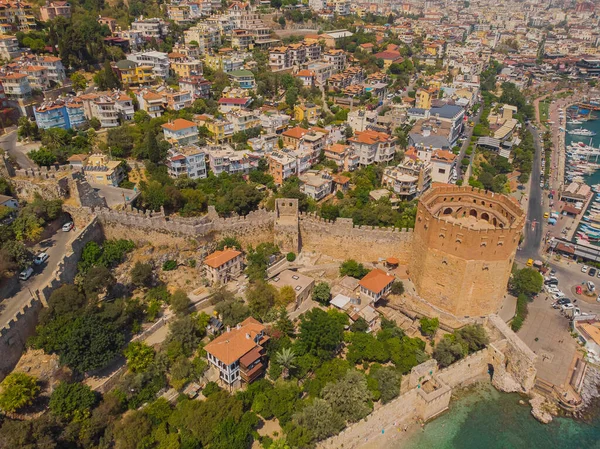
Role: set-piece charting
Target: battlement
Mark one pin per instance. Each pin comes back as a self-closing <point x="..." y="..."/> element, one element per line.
<point x="32" y="304"/>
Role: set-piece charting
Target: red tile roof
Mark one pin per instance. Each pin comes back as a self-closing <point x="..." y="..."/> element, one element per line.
<point x="376" y="280"/>
<point x="178" y="125"/>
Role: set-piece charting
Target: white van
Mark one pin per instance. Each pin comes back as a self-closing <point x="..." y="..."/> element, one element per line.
<point x="590" y="286"/>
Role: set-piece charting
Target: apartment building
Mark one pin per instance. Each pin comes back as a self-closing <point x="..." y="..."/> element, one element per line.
<point x="62" y="113"/>
<point x="151" y="102"/>
<point x="177" y="100"/>
<point x="337" y="58"/>
<point x="184" y="67"/>
<point x="243" y="119"/>
<point x="188" y="161"/>
<point x="52" y="10"/>
<point x="316" y="184"/>
<point x="204" y="36"/>
<point x="220" y="130"/>
<point x="224" y="159"/>
<point x="313" y="142"/>
<point x="197" y="85"/>
<point x="274" y="122"/>
<point x="360" y="119"/>
<point x="16" y="16"/>
<point x="307" y="111"/>
<point x="373" y="147"/>
<point x="225" y="62"/>
<point x="16" y="85"/>
<point x="286" y="57"/>
<point x="134" y="74"/>
<point x="180" y="132"/>
<point x="242" y="78"/>
<point x="343" y="156"/>
<point x="180" y="14"/>
<point x="282" y="165"/>
<point x="55" y="71"/>
<point x="239" y="353"/>
<point x="221" y="267"/>
<point x="409" y="179"/>
<point x="444" y="167"/>
<point x="9" y="47"/>
<point x="150" y="28"/>
<point x="157" y="60"/>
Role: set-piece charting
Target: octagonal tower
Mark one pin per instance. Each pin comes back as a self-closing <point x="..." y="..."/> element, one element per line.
<point x="465" y="240"/>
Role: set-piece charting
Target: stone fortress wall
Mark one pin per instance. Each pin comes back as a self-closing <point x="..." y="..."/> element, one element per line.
<point x="14" y="334"/>
<point x="426" y="391"/>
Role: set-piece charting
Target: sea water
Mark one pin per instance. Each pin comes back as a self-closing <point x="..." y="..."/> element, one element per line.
<point x="483" y="418"/>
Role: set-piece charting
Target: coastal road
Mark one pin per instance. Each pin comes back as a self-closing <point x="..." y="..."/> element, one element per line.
<point x="533" y="226"/>
<point x="55" y="246"/>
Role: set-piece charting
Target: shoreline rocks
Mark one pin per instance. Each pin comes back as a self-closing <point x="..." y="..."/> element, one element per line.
<point x="541" y="408"/>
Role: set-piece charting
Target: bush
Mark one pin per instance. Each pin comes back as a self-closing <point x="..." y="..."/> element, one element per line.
<point x="522" y="303"/>
<point x="354" y="269"/>
<point x="141" y="274"/>
<point x="429" y="326"/>
<point x="169" y="265"/>
<point x="397" y="288"/>
<point x="321" y="293"/>
<point x="291" y="256"/>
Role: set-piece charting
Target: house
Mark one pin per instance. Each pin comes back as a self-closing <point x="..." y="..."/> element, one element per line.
<point x="307" y="77"/>
<point x="389" y="57"/>
<point x="220" y="130"/>
<point x="78" y="161"/>
<point x="132" y="73"/>
<point x="157" y="60"/>
<point x="224" y="159"/>
<point x="316" y="184"/>
<point x="100" y="170"/>
<point x="227" y="104"/>
<point x="9" y="47"/>
<point x="238" y="353"/>
<point x="302" y="284"/>
<point x="189" y="161"/>
<point x="375" y="285"/>
<point x="180" y="132"/>
<point x="307" y="111"/>
<point x="443" y="166"/>
<point x="409" y="179"/>
<point x="222" y="266"/>
<point x="177" y="100"/>
<point x="110" y="22"/>
<point x="151" y="102"/>
<point x="197" y="85"/>
<point x="66" y="114"/>
<point x="242" y="78"/>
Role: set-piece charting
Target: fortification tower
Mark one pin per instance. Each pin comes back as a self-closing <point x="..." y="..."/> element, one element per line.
<point x="465" y="241"/>
<point x="287" y="233"/>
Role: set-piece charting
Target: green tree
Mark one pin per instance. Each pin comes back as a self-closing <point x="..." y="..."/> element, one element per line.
<point x="17" y="390"/>
<point x="321" y="293"/>
<point x="139" y="356"/>
<point x="388" y="382"/>
<point x="78" y="81"/>
<point x="42" y="157"/>
<point x="229" y="242"/>
<point x="354" y="269"/>
<point x="180" y="302"/>
<point x="349" y="397"/>
<point x="142" y="274"/>
<point x="429" y="326"/>
<point x="286" y="358"/>
<point x="320" y="418"/>
<point x="96" y="281"/>
<point x="321" y="332"/>
<point x="527" y="281"/>
<point x="397" y="288"/>
<point x="71" y="401"/>
<point x="261" y="298"/>
<point x="232" y="311"/>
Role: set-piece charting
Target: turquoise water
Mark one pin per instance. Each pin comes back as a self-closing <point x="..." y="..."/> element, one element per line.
<point x="485" y="418"/>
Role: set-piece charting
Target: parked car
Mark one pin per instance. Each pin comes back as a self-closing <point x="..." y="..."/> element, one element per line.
<point x="561" y="302"/>
<point x="551" y="282"/>
<point x="557" y="296"/>
<point x="40" y="258"/>
<point x="584" y="269"/>
<point x="26" y="274"/>
<point x="592" y="272"/>
<point x="67" y="226"/>
<point x="578" y="290"/>
<point x="566" y="307"/>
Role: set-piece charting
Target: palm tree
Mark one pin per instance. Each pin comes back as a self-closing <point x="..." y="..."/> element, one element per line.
<point x="286" y="358"/>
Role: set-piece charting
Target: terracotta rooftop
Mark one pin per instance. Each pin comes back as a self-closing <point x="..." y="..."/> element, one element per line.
<point x="376" y="280"/>
<point x="233" y="345"/>
<point x="178" y="125"/>
<point x="218" y="258"/>
<point x="295" y="133"/>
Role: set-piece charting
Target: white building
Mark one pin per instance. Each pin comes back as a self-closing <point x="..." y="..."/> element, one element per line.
<point x="158" y="60"/>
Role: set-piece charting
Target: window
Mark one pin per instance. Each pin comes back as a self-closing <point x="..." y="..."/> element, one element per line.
<point x="295" y="277"/>
<point x="441" y="170"/>
<point x="298" y="288"/>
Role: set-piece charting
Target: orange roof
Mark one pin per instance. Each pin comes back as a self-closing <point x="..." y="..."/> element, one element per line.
<point x="78" y="157"/>
<point x="218" y="258"/>
<point x="370" y="137"/>
<point x="305" y="72"/>
<point x="295" y="133"/>
<point x="178" y="125"/>
<point x="443" y="155"/>
<point x="337" y="148"/>
<point x="411" y="153"/>
<point x="392" y="261"/>
<point x="376" y="280"/>
<point x="233" y="345"/>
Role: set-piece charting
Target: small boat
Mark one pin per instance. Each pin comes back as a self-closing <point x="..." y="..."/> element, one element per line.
<point x="582" y="132"/>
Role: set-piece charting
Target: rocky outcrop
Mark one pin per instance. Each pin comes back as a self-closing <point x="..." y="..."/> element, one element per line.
<point x="542" y="409"/>
<point x="591" y="383"/>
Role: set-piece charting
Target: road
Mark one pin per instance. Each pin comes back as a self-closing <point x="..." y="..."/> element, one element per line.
<point x="55" y="246"/>
<point x="18" y="151"/>
<point x="467" y="142"/>
<point x="533" y="227"/>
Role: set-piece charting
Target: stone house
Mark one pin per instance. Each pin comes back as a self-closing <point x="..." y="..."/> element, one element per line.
<point x="222" y="266"/>
<point x="375" y="285"/>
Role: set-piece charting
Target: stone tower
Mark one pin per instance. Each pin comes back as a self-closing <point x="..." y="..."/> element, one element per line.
<point x="287" y="231"/>
<point x="465" y="241"/>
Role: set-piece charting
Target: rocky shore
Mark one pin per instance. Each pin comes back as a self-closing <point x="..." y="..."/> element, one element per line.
<point x="590" y="394"/>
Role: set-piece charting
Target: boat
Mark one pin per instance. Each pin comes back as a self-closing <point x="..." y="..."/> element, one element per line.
<point x="582" y="132"/>
<point x="575" y="122"/>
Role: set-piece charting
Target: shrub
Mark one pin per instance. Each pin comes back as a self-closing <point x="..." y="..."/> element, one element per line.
<point x="169" y="265"/>
<point x="291" y="256"/>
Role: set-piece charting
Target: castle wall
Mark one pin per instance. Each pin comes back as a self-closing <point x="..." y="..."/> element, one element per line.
<point x="341" y="240"/>
<point x="15" y="334"/>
